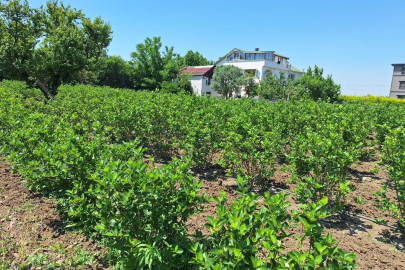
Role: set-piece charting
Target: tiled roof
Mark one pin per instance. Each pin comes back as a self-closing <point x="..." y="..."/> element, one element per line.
<point x="198" y="70"/>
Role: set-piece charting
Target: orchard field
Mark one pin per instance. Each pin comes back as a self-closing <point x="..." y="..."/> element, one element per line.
<point x="173" y="181"/>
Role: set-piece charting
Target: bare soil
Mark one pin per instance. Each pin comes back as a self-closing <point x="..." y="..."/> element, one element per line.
<point x="32" y="233"/>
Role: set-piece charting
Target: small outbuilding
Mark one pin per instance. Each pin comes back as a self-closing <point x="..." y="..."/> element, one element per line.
<point x="201" y="78"/>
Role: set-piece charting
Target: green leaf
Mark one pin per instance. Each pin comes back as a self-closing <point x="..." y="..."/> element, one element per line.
<point x="320" y="247"/>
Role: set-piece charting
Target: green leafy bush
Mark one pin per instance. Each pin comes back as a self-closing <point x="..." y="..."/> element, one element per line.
<point x="246" y="236"/>
<point x="22" y="89"/>
<point x="140" y="212"/>
<point x="320" y="163"/>
<point x="394" y="158"/>
<point x="250" y="152"/>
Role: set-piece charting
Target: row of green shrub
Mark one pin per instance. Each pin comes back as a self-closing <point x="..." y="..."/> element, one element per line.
<point x="81" y="149"/>
<point x="318" y="141"/>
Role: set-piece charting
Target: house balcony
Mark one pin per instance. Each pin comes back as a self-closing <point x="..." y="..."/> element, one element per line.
<point x="268" y="62"/>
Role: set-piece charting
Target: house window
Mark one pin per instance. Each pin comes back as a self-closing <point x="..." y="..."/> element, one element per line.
<point x="250" y="56"/>
<point x="237" y="55"/>
<point x="250" y="72"/>
<point x="208" y="81"/>
<point x="268" y="73"/>
<point x="257" y="73"/>
<point x="260" y="56"/>
<point x="208" y="93"/>
<point x="402" y="85"/>
<point x="291" y="76"/>
<point x="403" y="70"/>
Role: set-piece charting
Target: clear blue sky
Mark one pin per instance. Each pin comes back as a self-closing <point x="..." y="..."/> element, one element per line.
<point x="354" y="40"/>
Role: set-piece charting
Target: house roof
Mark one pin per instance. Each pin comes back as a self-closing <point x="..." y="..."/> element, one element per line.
<point x="281" y="55"/>
<point x="199" y="70"/>
<point x="236" y="49"/>
<point x="398" y="64"/>
<point x="296" y="69"/>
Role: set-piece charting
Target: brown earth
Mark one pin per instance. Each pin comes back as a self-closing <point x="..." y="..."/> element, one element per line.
<point x="32" y="234"/>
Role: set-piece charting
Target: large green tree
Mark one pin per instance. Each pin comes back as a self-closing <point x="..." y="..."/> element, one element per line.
<point x="158" y="67"/>
<point x="280" y="87"/>
<point x="194" y="59"/>
<point x="110" y="71"/>
<point x="152" y="65"/>
<point x="251" y="87"/>
<point x="20" y="30"/>
<point x="228" y="80"/>
<point x="54" y="43"/>
<point x="70" y="42"/>
<point x="318" y="87"/>
<point x="181" y="84"/>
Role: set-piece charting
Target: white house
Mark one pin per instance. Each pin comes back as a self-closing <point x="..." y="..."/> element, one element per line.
<point x="259" y="63"/>
<point x="201" y="78"/>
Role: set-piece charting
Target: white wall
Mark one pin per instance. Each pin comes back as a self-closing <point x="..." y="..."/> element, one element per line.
<point x="200" y="87"/>
<point x="260" y="65"/>
<point x="397" y="77"/>
<point x="196" y="84"/>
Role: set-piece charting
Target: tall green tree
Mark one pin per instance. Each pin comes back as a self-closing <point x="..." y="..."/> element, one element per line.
<point x="319" y="87"/>
<point x="280" y="87"/>
<point x="181" y="84"/>
<point x="228" y="80"/>
<point x="20" y="30"/>
<point x="152" y="66"/>
<point x="116" y="72"/>
<point x="194" y="59"/>
<point x="54" y="43"/>
<point x="70" y="42"/>
<point x="112" y="71"/>
<point x="251" y="87"/>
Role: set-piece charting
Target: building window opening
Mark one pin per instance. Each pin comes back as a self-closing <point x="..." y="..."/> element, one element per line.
<point x="250" y="72"/>
<point x="291" y="76"/>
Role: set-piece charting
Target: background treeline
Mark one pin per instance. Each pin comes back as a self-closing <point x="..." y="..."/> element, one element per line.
<point x="60" y="45"/>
